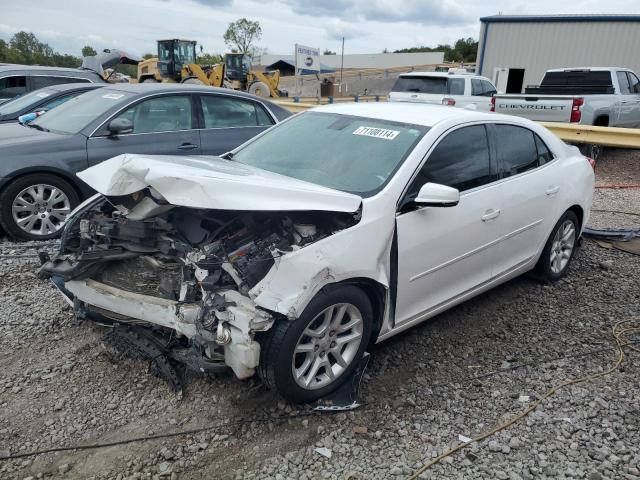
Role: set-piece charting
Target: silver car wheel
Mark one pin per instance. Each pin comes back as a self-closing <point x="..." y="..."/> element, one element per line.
<point x="562" y="246"/>
<point x="40" y="209"/>
<point x="327" y="346"/>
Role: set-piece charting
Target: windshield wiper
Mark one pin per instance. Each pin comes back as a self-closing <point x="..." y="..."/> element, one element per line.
<point x="37" y="127"/>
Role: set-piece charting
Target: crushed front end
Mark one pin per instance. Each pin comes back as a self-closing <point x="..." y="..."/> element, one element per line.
<point x="180" y="275"/>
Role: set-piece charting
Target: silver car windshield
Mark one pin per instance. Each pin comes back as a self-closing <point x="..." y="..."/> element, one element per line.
<point x="75" y="114"/>
<point x="354" y="154"/>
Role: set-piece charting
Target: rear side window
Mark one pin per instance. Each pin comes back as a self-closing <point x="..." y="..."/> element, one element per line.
<point x="461" y="160"/>
<point x="634" y="83"/>
<point x="544" y="154"/>
<point x="226" y="112"/>
<point x="481" y="88"/>
<point x="456" y="86"/>
<point x="38" y="81"/>
<point x="623" y="80"/>
<point x="520" y="150"/>
<point x="12" y="86"/>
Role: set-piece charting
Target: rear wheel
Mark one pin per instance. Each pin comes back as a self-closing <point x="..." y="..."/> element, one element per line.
<point x="308" y="358"/>
<point x="35" y="207"/>
<point x="260" y="89"/>
<point x="560" y="248"/>
<point x="590" y="150"/>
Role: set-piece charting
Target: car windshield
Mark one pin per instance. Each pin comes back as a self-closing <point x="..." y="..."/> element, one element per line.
<point x="354" y="154"/>
<point x="421" y="84"/>
<point x="24" y="101"/>
<point x="75" y="114"/>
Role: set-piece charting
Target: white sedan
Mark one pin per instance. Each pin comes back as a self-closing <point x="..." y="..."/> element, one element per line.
<point x="335" y="229"/>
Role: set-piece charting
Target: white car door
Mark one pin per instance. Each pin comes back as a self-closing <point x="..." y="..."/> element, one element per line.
<point x="628" y="105"/>
<point x="446" y="252"/>
<point x="481" y="93"/>
<point x="530" y="190"/>
<point x="634" y="87"/>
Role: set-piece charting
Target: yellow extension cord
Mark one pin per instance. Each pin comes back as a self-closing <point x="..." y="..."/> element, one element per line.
<point x="620" y="329"/>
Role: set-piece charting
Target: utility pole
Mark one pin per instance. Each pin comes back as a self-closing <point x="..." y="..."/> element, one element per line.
<point x="341" y="63"/>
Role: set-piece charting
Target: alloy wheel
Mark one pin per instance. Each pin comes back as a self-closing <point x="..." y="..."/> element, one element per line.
<point x="562" y="246"/>
<point x="40" y="209"/>
<point x="327" y="346"/>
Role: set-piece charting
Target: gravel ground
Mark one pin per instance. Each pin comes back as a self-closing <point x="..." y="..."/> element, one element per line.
<point x="462" y="373"/>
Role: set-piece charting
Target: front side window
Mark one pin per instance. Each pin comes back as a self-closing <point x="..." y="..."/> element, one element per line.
<point x="344" y="152"/>
<point x="516" y="149"/>
<point x="168" y="113"/>
<point x="12" y="86"/>
<point x="461" y="160"/>
<point x="623" y="80"/>
<point x="226" y="112"/>
<point x="489" y="89"/>
<point x="46" y="81"/>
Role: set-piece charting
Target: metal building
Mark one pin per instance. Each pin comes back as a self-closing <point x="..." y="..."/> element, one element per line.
<point x="515" y="50"/>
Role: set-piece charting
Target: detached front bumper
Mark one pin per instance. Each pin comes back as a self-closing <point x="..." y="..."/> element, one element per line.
<point x="231" y="324"/>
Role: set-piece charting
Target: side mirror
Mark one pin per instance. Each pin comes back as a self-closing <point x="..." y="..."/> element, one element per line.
<point x="436" y="195"/>
<point x="120" y="126"/>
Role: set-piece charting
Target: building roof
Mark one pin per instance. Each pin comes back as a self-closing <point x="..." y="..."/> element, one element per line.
<point x="559" y="18"/>
<point x="278" y="64"/>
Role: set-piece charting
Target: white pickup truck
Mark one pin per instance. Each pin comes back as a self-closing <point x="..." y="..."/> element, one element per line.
<point x="589" y="96"/>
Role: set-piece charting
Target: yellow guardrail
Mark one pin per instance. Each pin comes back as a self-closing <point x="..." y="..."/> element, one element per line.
<point x="605" y="136"/>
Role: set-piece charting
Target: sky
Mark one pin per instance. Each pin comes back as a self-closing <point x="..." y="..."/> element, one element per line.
<point x="369" y="26"/>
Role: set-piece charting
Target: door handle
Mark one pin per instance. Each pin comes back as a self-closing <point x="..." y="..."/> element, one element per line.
<point x="187" y="146"/>
<point x="490" y="214"/>
<point x="552" y="190"/>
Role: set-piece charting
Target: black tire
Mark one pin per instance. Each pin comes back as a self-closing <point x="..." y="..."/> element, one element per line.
<point x="544" y="268"/>
<point x="278" y="344"/>
<point x="12" y="191"/>
<point x="590" y="150"/>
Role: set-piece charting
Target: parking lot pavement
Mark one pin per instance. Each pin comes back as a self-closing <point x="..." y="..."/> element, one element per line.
<point x="459" y="374"/>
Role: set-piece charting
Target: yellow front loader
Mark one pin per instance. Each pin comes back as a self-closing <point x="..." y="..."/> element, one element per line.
<point x="176" y="63"/>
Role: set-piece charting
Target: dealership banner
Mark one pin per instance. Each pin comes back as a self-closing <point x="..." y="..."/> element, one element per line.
<point x="307" y="58"/>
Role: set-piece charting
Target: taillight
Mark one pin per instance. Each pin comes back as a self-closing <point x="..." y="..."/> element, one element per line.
<point x="448" y="101"/>
<point x="493" y="104"/>
<point x="592" y="162"/>
<point x="576" y="114"/>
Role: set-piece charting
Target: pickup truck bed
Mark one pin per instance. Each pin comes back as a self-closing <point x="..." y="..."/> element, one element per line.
<point x="596" y="96"/>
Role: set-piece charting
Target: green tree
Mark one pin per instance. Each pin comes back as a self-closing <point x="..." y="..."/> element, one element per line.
<point x="241" y="34"/>
<point x="328" y="52"/>
<point x="209" y="58"/>
<point x="463" y="50"/>
<point x="88" y="51"/>
<point x="147" y="56"/>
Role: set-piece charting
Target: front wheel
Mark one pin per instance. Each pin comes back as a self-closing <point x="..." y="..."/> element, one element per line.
<point x="560" y="248"/>
<point x="35" y="207"/>
<point x="308" y="358"/>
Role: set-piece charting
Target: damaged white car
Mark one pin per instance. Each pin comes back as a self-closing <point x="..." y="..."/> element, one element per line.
<point x="338" y="228"/>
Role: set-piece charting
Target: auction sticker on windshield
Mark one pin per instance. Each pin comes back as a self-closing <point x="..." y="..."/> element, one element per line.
<point x="377" y="132"/>
<point x="113" y="96"/>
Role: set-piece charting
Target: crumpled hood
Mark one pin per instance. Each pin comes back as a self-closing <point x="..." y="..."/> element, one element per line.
<point x="213" y="183"/>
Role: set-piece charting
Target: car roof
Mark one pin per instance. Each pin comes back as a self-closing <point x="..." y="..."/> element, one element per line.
<point x="415" y="113"/>
<point x="63" y="87"/>
<point x="587" y="69"/>
<point x="147" y="88"/>
<point x="442" y="74"/>
<point x="14" y="66"/>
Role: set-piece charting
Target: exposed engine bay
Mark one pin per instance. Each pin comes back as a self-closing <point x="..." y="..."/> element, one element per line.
<point x="182" y="274"/>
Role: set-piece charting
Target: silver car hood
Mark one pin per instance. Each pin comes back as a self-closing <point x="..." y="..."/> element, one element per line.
<point x="213" y="183"/>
